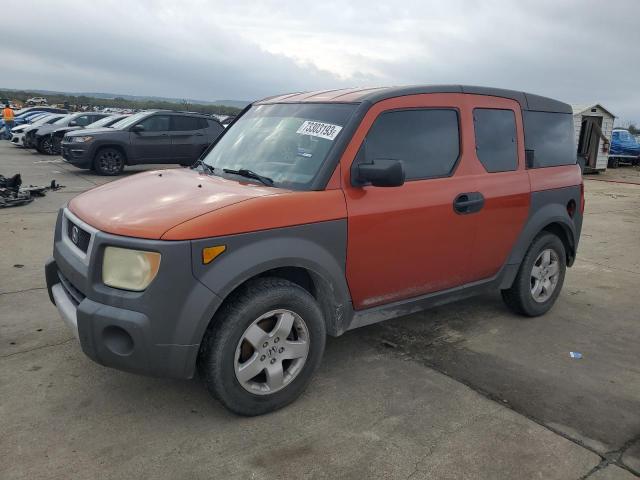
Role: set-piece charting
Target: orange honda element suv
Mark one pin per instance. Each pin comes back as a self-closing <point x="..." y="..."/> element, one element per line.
<point x="314" y="214"/>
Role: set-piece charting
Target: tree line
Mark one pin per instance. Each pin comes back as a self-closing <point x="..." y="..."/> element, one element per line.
<point x="119" y="102"/>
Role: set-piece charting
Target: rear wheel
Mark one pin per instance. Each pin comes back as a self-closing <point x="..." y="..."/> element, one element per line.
<point x="263" y="347"/>
<point x="540" y="278"/>
<point x="614" y="162"/>
<point x="109" y="161"/>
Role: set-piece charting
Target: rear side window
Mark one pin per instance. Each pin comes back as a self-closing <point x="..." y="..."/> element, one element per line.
<point x="551" y="138"/>
<point x="427" y="142"/>
<point x="212" y="124"/>
<point x="185" y="123"/>
<point x="496" y="145"/>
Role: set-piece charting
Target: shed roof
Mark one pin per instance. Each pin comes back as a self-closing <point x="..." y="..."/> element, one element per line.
<point x="579" y="108"/>
<point x="527" y="101"/>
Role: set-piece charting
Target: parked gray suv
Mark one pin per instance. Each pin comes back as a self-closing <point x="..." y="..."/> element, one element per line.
<point x="157" y="136"/>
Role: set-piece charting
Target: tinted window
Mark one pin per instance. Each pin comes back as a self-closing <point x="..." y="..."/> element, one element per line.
<point x="425" y="141"/>
<point x="551" y="137"/>
<point x="83" y="120"/>
<point x="156" y="123"/>
<point x="496" y="145"/>
<point x="185" y="123"/>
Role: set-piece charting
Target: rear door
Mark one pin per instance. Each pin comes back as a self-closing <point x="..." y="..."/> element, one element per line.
<point x="188" y="138"/>
<point x="409" y="241"/>
<point x="502" y="180"/>
<point x="153" y="144"/>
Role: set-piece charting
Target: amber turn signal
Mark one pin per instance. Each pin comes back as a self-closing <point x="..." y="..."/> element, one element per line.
<point x="209" y="254"/>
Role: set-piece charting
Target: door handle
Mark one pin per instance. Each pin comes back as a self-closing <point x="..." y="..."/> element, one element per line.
<point x="470" y="202"/>
<point x="198" y="134"/>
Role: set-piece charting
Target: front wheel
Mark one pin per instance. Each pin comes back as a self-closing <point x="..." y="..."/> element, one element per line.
<point x="263" y="347"/>
<point x="108" y="161"/>
<point x="540" y="278"/>
<point x="47" y="146"/>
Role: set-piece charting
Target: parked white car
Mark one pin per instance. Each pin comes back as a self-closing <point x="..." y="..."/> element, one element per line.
<point x="37" y="101"/>
<point x="18" y="133"/>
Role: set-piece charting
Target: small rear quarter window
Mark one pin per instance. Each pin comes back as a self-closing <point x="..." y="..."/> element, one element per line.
<point x="551" y="137"/>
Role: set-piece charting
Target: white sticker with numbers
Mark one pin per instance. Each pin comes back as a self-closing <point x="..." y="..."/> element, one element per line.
<point x="319" y="129"/>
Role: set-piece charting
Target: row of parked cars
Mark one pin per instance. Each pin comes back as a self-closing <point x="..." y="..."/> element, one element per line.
<point x="107" y="142"/>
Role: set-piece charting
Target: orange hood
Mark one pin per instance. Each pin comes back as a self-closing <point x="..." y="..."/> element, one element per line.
<point x="182" y="204"/>
<point x="150" y="203"/>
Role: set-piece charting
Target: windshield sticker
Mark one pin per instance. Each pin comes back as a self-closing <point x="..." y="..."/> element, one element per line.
<point x="318" y="129"/>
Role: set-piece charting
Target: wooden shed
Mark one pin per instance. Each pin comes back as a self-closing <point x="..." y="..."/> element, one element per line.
<point x="590" y="145"/>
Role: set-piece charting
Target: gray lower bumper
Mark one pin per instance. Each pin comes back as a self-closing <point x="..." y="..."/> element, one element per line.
<point x="66" y="307"/>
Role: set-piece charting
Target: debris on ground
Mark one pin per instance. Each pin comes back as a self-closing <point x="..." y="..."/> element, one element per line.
<point x="389" y="344"/>
<point x="576" y="355"/>
<point x="13" y="194"/>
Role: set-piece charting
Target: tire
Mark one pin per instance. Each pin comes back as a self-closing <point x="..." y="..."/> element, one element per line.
<point x="56" y="146"/>
<point x="45" y="146"/>
<point x="521" y="297"/>
<point x="109" y="162"/>
<point x="614" y="162"/>
<point x="269" y="303"/>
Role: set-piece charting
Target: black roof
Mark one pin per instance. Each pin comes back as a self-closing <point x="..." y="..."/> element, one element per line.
<point x="528" y="101"/>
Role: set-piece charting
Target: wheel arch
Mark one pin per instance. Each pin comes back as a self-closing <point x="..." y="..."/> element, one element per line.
<point x="115" y="146"/>
<point x="311" y="256"/>
<point x="564" y="233"/>
<point x="548" y="213"/>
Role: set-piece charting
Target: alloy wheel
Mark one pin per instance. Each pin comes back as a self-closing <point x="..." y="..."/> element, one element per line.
<point x="544" y="275"/>
<point x="110" y="162"/>
<point x="47" y="146"/>
<point x="271" y="352"/>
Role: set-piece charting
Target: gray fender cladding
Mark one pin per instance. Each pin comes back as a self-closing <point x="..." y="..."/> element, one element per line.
<point x="319" y="248"/>
<point x="547" y="207"/>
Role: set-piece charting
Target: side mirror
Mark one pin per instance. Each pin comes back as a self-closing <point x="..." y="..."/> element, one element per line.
<point x="73" y="123"/>
<point x="137" y="128"/>
<point x="380" y="173"/>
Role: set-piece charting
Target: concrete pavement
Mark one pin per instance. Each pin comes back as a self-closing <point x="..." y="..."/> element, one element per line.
<point x="463" y="391"/>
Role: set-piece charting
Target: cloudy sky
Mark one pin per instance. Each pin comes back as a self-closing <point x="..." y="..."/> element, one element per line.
<point x="579" y="51"/>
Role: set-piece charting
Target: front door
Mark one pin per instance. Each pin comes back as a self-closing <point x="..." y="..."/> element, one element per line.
<point x="408" y="241"/>
<point x="153" y="144"/>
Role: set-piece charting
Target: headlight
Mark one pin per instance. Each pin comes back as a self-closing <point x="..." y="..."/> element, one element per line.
<point x="129" y="269"/>
<point x="81" y="139"/>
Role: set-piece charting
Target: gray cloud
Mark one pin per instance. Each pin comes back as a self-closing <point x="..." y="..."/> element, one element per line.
<point x="577" y="51"/>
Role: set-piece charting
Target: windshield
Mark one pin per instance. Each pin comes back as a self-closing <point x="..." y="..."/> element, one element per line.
<point x="287" y="143"/>
<point x="101" y="123"/>
<point x="63" y="120"/>
<point x="129" y="121"/>
<point x="42" y="120"/>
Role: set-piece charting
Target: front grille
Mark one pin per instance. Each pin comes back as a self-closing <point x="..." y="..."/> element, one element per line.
<point x="78" y="236"/>
<point x="76" y="295"/>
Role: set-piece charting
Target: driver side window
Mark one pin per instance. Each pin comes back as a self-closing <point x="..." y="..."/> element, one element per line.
<point x="83" y="120"/>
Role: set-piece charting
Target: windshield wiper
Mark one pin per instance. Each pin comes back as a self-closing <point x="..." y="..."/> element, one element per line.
<point x="205" y="167"/>
<point x="243" y="172"/>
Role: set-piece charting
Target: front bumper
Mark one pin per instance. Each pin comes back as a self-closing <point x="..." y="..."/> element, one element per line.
<point x="17" y="138"/>
<point x="156" y="332"/>
<point x="77" y="154"/>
